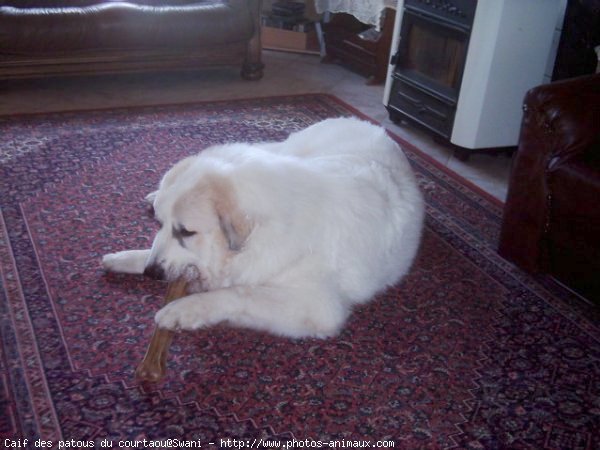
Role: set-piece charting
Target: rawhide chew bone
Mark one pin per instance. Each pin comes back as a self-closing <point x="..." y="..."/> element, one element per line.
<point x="154" y="365"/>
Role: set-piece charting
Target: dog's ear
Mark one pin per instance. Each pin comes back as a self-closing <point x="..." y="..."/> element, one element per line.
<point x="235" y="230"/>
<point x="234" y="223"/>
<point x="150" y="197"/>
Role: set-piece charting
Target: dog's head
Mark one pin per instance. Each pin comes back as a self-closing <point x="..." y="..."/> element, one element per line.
<point x="202" y="227"/>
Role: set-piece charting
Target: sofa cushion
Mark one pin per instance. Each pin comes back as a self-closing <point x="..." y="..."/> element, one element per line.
<point x="113" y="25"/>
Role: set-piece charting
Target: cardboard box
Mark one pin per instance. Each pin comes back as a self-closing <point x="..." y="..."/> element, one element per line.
<point x="287" y="40"/>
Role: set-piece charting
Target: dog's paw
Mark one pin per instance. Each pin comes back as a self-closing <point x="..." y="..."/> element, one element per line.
<point x="110" y="262"/>
<point x="128" y="261"/>
<point x="180" y="314"/>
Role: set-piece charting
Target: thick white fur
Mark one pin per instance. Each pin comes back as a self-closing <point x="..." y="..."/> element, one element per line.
<point x="289" y="235"/>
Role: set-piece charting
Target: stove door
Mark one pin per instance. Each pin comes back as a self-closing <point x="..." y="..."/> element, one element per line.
<point x="432" y="54"/>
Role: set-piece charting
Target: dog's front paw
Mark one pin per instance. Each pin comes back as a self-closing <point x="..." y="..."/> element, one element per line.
<point x="110" y="262"/>
<point x="178" y="315"/>
<point x="128" y="261"/>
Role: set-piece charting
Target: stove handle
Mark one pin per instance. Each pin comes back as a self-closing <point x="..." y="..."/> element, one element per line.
<point x="415" y="102"/>
<point x="422" y="108"/>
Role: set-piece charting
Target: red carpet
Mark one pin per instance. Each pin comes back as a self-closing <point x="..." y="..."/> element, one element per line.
<point x="467" y="352"/>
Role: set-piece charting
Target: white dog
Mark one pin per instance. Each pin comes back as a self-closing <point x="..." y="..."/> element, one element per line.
<point x="285" y="237"/>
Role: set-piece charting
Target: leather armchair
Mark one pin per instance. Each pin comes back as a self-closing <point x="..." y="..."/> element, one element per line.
<point x="56" y="37"/>
<point x="551" y="221"/>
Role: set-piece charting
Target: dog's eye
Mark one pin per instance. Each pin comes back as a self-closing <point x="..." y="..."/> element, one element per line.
<point x="182" y="232"/>
<point x="186" y="233"/>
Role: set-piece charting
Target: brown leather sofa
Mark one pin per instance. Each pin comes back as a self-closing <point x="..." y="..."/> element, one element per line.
<point x="551" y="220"/>
<point x="58" y="37"/>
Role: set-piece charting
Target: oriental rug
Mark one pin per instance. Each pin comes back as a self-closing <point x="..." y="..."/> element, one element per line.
<point x="466" y="352"/>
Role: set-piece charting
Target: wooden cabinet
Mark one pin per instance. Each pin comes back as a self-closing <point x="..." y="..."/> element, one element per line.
<point x="360" y="46"/>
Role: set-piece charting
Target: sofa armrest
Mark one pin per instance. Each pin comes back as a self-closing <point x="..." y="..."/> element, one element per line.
<point x="560" y="121"/>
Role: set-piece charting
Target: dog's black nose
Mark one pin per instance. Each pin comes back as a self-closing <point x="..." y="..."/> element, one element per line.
<point x="155" y="271"/>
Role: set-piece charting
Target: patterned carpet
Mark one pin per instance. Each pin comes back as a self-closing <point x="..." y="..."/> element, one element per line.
<point x="467" y="352"/>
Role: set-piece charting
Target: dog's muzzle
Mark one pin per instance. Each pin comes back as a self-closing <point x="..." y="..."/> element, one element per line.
<point x="155" y="271"/>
